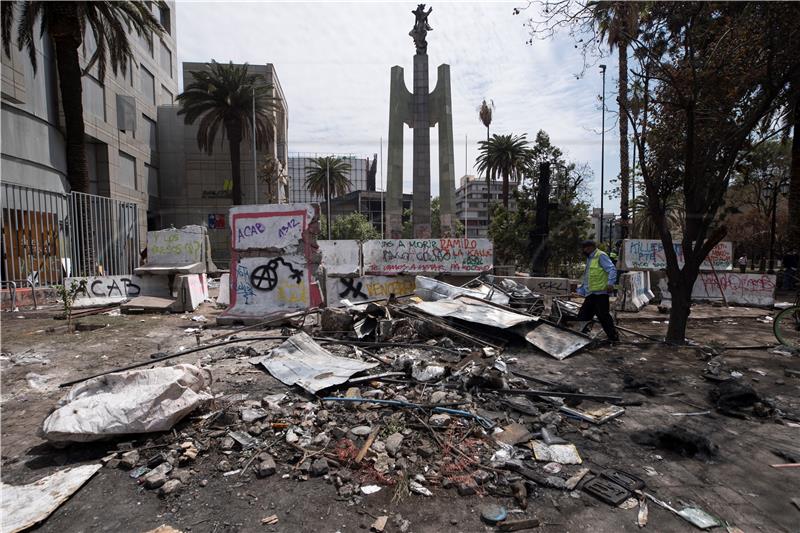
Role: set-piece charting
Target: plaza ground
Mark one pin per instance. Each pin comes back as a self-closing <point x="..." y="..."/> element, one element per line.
<point x="737" y="485"/>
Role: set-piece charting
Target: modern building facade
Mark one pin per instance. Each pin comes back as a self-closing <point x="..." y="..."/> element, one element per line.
<point x="196" y="187"/>
<point x="471" y="203"/>
<point x="612" y="231"/>
<point x="363" y="170"/>
<point x="119" y="114"/>
<point x="368" y="203"/>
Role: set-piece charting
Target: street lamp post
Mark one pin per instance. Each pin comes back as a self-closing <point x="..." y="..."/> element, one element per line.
<point x="602" y="151"/>
<point x="772" y="189"/>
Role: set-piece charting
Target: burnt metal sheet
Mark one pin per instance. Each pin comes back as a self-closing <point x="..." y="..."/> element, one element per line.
<point x="301" y="361"/>
<point x="473" y="311"/>
<point x="556" y="342"/>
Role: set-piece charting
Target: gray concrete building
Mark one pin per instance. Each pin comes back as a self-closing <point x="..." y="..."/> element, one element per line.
<point x="471" y="207"/>
<point x="119" y="113"/>
<point x="195" y="188"/>
<point x="362" y="174"/>
<point x="368" y="203"/>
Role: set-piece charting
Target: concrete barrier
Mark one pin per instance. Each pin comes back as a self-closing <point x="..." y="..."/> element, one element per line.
<point x="648" y="254"/>
<point x="543" y="286"/>
<point x="275" y="261"/>
<point x="341" y="258"/>
<point x="362" y="288"/>
<point x="108" y="290"/>
<point x="427" y="256"/>
<point x="742" y="289"/>
<point x="634" y="291"/>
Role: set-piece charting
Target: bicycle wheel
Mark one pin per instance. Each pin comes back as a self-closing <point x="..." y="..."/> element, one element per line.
<point x="787" y="327"/>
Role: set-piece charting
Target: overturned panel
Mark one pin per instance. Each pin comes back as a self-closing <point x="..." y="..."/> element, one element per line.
<point x="341" y="258"/>
<point x="473" y="311"/>
<point x="431" y="290"/>
<point x="301" y="361"/>
<point x="543" y="286"/>
<point x="421" y="256"/>
<point x="24" y="506"/>
<point x="556" y="342"/>
<point x="272" y="227"/>
<point x="363" y="288"/>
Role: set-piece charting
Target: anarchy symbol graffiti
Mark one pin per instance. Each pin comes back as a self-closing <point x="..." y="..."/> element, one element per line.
<point x="265" y="277"/>
<point x="352" y="287"/>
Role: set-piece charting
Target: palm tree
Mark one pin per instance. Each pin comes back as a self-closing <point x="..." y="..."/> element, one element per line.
<point x="507" y="155"/>
<point x="328" y="169"/>
<point x="485" y="115"/>
<point x="645" y="225"/>
<point x="65" y="24"/>
<point x="223" y="96"/>
<point x="617" y="23"/>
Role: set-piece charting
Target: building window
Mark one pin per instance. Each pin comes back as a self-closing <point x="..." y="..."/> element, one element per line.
<point x="146" y="40"/>
<point x="149" y="132"/>
<point x="165" y="97"/>
<point x="163" y="18"/>
<point x="127" y="170"/>
<point x="94" y="97"/>
<point x="148" y="86"/>
<point x="165" y="58"/>
<point x="152" y="180"/>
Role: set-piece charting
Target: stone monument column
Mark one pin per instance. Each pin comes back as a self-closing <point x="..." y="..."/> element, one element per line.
<point x="421" y="204"/>
<point x="421" y="111"/>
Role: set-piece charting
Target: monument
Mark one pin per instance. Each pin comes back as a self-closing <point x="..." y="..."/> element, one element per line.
<point x="421" y="111"/>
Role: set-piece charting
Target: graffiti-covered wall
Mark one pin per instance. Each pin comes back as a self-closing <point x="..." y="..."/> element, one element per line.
<point x="274" y="261"/>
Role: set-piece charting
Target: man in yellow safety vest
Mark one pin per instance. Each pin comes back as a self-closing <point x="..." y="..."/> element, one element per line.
<point x="599" y="278"/>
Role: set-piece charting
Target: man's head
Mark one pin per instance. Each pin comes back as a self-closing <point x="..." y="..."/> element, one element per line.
<point x="588" y="246"/>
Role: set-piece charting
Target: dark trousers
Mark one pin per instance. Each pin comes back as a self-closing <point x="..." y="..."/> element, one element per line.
<point x="597" y="305"/>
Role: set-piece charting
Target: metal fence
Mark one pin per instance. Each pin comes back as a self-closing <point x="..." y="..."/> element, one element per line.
<point x="48" y="235"/>
<point x="104" y="235"/>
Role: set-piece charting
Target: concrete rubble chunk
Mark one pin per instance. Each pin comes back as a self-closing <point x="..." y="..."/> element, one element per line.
<point x="169" y="487"/>
<point x="319" y="467"/>
<point x="129" y="459"/>
<point x="439" y="420"/>
<point x="266" y="467"/>
<point x="393" y="443"/>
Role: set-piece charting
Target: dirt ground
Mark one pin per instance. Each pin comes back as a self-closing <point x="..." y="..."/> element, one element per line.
<point x="737" y="485"/>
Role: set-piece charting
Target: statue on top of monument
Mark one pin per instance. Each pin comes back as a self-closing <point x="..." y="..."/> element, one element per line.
<point x="421" y="28"/>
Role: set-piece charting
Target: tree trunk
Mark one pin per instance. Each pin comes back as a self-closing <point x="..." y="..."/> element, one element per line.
<point x="538" y="240"/>
<point x="69" y="76"/>
<point x="488" y="187"/>
<point x="234" y="141"/>
<point x="794" y="179"/>
<point x="624" y="165"/>
<point x="505" y="189"/>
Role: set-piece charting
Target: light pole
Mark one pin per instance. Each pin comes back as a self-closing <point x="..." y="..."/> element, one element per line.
<point x="602" y="151"/>
<point x="772" y="189"/>
<point x="328" y="190"/>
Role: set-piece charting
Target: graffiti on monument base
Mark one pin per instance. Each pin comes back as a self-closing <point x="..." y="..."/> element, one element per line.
<point x="266" y="284"/>
<point x="359" y="289"/>
<point x="427" y="256"/>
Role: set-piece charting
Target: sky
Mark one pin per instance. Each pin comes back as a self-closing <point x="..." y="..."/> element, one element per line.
<point x="333" y="61"/>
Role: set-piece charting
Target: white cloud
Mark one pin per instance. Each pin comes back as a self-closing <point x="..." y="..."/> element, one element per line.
<point x="333" y="60"/>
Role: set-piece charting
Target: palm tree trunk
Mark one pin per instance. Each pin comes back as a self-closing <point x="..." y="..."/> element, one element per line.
<point x="624" y="170"/>
<point x="488" y="187"/>
<point x="505" y="189"/>
<point x="69" y="77"/>
<point x="234" y="142"/>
